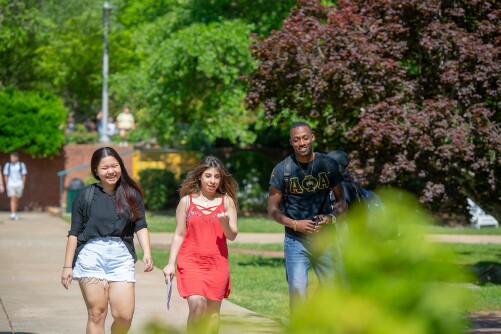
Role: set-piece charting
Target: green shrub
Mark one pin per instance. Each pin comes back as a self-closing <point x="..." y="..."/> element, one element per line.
<point x="82" y="136"/>
<point x="159" y="187"/>
<point x="252" y="171"/>
<point x="31" y="122"/>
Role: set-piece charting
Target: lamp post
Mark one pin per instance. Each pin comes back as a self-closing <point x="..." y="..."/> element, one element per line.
<point x="104" y="135"/>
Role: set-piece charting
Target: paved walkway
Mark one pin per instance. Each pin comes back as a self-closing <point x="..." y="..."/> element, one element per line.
<point x="33" y="300"/>
<point x="466" y="239"/>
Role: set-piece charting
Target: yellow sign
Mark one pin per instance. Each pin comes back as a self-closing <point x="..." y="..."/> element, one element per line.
<point x="174" y="161"/>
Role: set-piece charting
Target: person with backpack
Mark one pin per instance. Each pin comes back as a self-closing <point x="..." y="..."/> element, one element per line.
<point x="371" y="205"/>
<point x="100" y="251"/>
<point x="15" y="178"/>
<point x="353" y="190"/>
<point x="299" y="199"/>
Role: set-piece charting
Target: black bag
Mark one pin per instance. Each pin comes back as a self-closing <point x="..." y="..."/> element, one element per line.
<point x="371" y="200"/>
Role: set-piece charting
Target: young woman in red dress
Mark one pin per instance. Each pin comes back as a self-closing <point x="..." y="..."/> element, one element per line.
<point x="205" y="217"/>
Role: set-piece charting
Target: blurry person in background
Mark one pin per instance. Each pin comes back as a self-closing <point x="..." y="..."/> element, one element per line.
<point x="125" y="124"/>
<point x="15" y="179"/>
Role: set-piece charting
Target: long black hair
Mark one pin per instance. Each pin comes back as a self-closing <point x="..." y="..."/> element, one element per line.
<point x="127" y="191"/>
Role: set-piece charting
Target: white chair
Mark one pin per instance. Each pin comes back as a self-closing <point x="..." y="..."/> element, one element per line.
<point x="478" y="216"/>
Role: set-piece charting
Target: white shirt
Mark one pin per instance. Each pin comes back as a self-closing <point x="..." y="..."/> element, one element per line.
<point x="17" y="170"/>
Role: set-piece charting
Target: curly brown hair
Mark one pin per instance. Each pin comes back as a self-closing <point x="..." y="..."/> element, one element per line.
<point x="191" y="184"/>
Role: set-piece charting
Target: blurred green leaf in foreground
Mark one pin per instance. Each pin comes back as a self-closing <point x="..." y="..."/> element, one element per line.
<point x="397" y="282"/>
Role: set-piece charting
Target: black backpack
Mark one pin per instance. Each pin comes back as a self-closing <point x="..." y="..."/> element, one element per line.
<point x="371" y="200"/>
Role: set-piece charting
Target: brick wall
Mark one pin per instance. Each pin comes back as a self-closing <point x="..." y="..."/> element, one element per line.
<point x="43" y="184"/>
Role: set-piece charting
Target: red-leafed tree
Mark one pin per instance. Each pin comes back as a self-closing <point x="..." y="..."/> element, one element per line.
<point x="412" y="88"/>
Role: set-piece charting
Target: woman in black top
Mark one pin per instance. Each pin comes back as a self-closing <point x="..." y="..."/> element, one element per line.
<point x="100" y="251"/>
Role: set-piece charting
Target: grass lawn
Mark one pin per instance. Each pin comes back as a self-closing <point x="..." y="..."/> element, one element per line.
<point x="258" y="283"/>
<point x="480" y="257"/>
<point x="167" y="223"/>
<point x="265" y="247"/>
<point x="463" y="230"/>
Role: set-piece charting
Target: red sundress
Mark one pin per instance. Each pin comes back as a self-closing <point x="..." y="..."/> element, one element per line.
<point x="202" y="262"/>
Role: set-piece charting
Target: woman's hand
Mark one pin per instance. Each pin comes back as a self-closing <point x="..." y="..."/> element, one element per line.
<point x="228" y="220"/>
<point x="223" y="218"/>
<point x="66" y="277"/>
<point x="148" y="263"/>
<point x="169" y="272"/>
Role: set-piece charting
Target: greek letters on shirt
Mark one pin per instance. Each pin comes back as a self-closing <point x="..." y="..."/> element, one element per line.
<point x="309" y="183"/>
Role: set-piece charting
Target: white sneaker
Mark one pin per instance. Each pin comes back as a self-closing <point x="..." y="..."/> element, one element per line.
<point x="13" y="216"/>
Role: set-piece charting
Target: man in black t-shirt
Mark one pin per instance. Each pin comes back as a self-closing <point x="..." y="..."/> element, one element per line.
<point x="299" y="199"/>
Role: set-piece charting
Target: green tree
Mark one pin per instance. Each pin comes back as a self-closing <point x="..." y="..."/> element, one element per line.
<point x="32" y="122"/>
<point x="144" y="36"/>
<point x="72" y="61"/>
<point x="264" y="15"/>
<point x="21" y="35"/>
<point x="182" y="34"/>
<point x="194" y="78"/>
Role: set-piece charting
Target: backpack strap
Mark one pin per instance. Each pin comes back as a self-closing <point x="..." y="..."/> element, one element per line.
<point x="327" y="168"/>
<point x="325" y="163"/>
<point x="89" y="193"/>
<point x="287" y="175"/>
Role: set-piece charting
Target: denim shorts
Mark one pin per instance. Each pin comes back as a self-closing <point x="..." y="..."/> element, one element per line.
<point x="105" y="259"/>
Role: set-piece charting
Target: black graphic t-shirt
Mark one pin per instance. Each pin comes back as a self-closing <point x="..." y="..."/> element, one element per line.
<point x="308" y="189"/>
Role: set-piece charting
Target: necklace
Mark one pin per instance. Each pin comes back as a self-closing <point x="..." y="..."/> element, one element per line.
<point x="306" y="176"/>
<point x="206" y="199"/>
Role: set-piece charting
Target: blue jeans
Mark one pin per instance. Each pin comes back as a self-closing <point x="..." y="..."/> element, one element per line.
<point x="299" y="255"/>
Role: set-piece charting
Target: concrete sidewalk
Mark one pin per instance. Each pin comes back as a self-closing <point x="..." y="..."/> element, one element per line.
<point x="34" y="301"/>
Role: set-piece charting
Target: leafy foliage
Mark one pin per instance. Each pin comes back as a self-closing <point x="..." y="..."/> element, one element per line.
<point x="20" y="38"/>
<point x="72" y="61"/>
<point x="82" y="136"/>
<point x="57" y="46"/>
<point x="411" y="88"/>
<point x="194" y="78"/>
<point x="264" y="15"/>
<point x="31" y="122"/>
<point x="402" y="285"/>
<point x="252" y="172"/>
<point x="205" y="43"/>
<point x="159" y="187"/>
